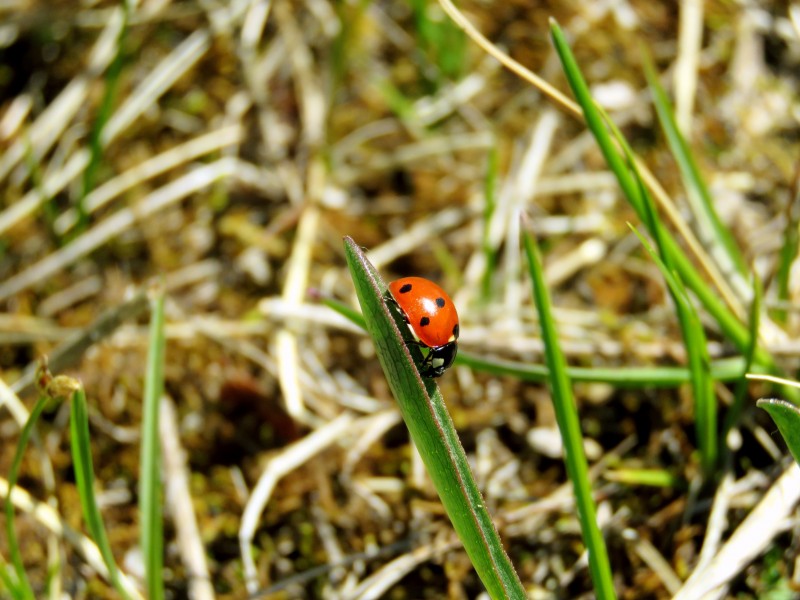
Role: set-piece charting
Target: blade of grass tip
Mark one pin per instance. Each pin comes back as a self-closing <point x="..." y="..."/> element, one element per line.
<point x="150" y="511"/>
<point x="569" y="426"/>
<point x="433" y="433"/>
<point x="698" y="195"/>
<point x="80" y="443"/>
<point x="735" y="411"/>
<point x="787" y="417"/>
<point x="727" y="321"/>
<point x="21" y="588"/>
<point x="694" y="338"/>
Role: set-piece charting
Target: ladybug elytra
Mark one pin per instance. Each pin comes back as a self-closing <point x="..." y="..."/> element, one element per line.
<point x="432" y="318"/>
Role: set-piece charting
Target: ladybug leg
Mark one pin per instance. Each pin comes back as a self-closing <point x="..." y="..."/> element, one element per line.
<point x="426" y="368"/>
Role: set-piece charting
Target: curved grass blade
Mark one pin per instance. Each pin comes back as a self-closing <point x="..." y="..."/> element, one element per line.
<point x="787" y="417"/>
<point x="7" y="582"/>
<point x="735" y="411"/>
<point x="694" y="340"/>
<point x="645" y="477"/>
<point x="694" y="337"/>
<point x="709" y="223"/>
<point x="112" y="80"/>
<point x="725" y="369"/>
<point x="433" y="433"/>
<point x="84" y="480"/>
<point x="490" y="203"/>
<point x="569" y="426"/>
<point x="789" y="248"/>
<point x="727" y="321"/>
<point x="152" y="532"/>
<point x="21" y="587"/>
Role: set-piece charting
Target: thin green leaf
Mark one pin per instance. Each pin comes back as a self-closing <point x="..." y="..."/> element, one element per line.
<point x="645" y="477"/>
<point x="7" y="580"/>
<point x="433" y="433"/>
<point x="84" y="480"/>
<point x="712" y="231"/>
<point x="569" y="426"/>
<point x="735" y="411"/>
<point x="726" y="369"/>
<point x="96" y="150"/>
<point x="789" y="248"/>
<point x="490" y="201"/>
<point x="152" y="532"/>
<point x="694" y="340"/>
<point x="787" y="417"/>
<point x="441" y="40"/>
<point x="21" y="588"/>
<point x="345" y="310"/>
<point x="726" y="320"/>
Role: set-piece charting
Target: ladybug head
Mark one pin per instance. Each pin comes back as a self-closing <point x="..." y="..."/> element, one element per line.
<point x="438" y="360"/>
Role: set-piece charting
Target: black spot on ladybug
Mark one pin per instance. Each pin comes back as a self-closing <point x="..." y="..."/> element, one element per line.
<point x="440" y="302"/>
<point x="455" y="330"/>
<point x="405" y="289"/>
<point x="424" y="321"/>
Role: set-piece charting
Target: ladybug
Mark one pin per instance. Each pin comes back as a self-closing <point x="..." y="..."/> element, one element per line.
<point x="432" y="318"/>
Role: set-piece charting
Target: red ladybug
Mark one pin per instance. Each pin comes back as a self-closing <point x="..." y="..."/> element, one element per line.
<point x="432" y="319"/>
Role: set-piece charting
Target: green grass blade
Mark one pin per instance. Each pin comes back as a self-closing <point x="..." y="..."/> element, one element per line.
<point x="150" y="511"/>
<point x="713" y="232"/>
<point x="726" y="369"/>
<point x="84" y="480"/>
<point x="789" y="249"/>
<point x="490" y="202"/>
<point x="21" y="588"/>
<point x="787" y="417"/>
<point x="7" y="581"/>
<point x="727" y="321"/>
<point x="645" y="477"/>
<point x="433" y="433"/>
<point x="694" y="338"/>
<point x="569" y="426"/>
<point x="735" y="411"/>
<point x="112" y="78"/>
<point x="441" y="40"/>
